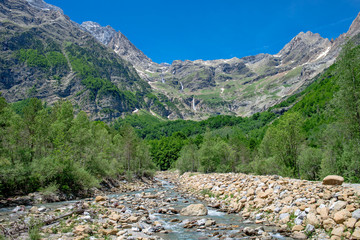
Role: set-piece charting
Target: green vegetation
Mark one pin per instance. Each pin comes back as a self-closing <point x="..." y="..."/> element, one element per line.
<point x="51" y="149"/>
<point x="319" y="135"/>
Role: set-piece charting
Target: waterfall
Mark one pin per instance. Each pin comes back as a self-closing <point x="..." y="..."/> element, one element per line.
<point x="182" y="86"/>
<point x="193" y="104"/>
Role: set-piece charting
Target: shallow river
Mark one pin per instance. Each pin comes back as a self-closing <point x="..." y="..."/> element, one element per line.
<point x="227" y="225"/>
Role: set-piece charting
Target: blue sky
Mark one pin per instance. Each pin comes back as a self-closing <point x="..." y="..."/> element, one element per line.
<point x="213" y="29"/>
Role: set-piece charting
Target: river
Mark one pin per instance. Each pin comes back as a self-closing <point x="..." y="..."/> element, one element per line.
<point x="163" y="195"/>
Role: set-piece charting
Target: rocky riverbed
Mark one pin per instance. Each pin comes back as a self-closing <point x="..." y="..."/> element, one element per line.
<point x="157" y="212"/>
<point x="300" y="209"/>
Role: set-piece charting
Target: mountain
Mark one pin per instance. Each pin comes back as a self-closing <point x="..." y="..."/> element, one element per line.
<point x="46" y="55"/>
<point x="122" y="46"/>
<point x="237" y="86"/>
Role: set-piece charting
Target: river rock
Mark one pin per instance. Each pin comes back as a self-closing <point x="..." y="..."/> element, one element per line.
<point x="297" y="228"/>
<point x="299" y="235"/>
<point x="338" y="231"/>
<point x="350" y="223"/>
<point x="356" y="234"/>
<point x="333" y="180"/>
<point x="100" y="198"/>
<point x="342" y="216"/>
<point x="312" y="219"/>
<point x="356" y="214"/>
<point x="309" y="229"/>
<point x="194" y="210"/>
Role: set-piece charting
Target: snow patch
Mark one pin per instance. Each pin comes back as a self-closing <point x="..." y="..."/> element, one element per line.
<point x="323" y="54"/>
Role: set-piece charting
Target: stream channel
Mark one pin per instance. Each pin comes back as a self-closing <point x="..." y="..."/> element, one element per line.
<point x="225" y="226"/>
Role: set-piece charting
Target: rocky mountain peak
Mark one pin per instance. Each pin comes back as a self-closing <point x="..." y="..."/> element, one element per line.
<point x="355" y="27"/>
<point x="102" y="34"/>
<point x="40" y="4"/>
<point x="304" y="48"/>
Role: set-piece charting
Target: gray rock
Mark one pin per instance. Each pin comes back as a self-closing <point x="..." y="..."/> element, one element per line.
<point x="309" y="228"/>
<point x="259" y="216"/>
<point x="298" y="221"/>
<point x="284" y="215"/>
<point x="356" y="214"/>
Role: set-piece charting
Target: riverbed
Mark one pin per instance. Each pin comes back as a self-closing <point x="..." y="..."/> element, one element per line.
<point x="148" y="214"/>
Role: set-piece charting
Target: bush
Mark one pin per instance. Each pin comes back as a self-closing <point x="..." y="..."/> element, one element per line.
<point x="309" y="163"/>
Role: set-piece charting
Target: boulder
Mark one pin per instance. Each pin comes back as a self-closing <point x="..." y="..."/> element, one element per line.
<point x="342" y="216"/>
<point x="297" y="228"/>
<point x="356" y="234"/>
<point x="337" y="231"/>
<point x="100" y="198"/>
<point x="333" y="180"/>
<point x="312" y="219"/>
<point x="356" y="214"/>
<point x="299" y="235"/>
<point x="194" y="210"/>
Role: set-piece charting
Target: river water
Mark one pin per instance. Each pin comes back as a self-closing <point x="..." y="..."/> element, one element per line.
<point x="227" y="226"/>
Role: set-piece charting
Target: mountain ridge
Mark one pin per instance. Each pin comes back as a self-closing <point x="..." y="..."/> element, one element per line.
<point x="107" y="87"/>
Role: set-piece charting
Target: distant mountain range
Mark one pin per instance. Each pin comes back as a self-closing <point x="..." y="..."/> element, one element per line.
<point x="44" y="54"/>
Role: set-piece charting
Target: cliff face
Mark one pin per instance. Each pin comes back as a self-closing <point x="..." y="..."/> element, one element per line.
<point x="44" y="54"/>
<point x="122" y="46"/>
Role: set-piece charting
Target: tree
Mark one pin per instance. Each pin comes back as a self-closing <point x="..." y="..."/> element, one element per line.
<point x="189" y="159"/>
<point x="283" y="140"/>
<point x="347" y="100"/>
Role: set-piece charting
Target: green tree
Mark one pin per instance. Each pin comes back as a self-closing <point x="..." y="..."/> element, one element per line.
<point x="283" y="140"/>
<point x="189" y="159"/>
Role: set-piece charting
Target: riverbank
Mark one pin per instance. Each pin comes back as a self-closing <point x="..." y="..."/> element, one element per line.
<point x="305" y="209"/>
<point x="107" y="186"/>
<point x="153" y="213"/>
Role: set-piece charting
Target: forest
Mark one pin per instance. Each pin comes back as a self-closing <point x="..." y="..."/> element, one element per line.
<point x="49" y="148"/>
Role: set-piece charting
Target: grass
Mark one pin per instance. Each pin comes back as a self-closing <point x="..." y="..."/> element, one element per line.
<point x="207" y="192"/>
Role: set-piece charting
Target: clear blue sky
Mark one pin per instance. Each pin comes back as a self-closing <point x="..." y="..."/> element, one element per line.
<point x="213" y="29"/>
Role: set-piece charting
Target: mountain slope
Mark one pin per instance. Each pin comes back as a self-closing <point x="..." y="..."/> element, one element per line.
<point x="46" y="55"/>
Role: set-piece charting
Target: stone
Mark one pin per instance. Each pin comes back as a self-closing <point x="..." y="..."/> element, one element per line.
<point x="339" y="205"/>
<point x="312" y="219"/>
<point x="298" y="221"/>
<point x="299" y="235"/>
<point x="324" y="212"/>
<point x="356" y="214"/>
<point x="350" y="223"/>
<point x="81" y="229"/>
<point x="297" y="228"/>
<point x="356" y="234"/>
<point x="114" y="216"/>
<point x="194" y="210"/>
<point x="34" y="209"/>
<point x="337" y="231"/>
<point x="249" y="231"/>
<point x="342" y="216"/>
<point x="333" y="180"/>
<point x="328" y="224"/>
<point x="309" y="229"/>
<point x="100" y="199"/>
<point x="109" y="231"/>
<point x="132" y="219"/>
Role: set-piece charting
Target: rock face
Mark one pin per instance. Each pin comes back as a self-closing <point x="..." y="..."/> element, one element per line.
<point x="122" y="46"/>
<point x="194" y="210"/>
<point x="333" y="180"/>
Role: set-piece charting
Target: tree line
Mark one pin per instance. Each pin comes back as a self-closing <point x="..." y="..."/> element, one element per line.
<point x="45" y="147"/>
